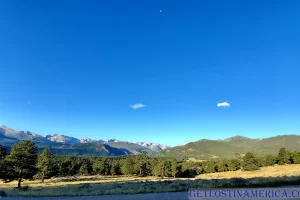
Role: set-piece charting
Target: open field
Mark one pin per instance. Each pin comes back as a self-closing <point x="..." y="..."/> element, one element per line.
<point x="153" y="196"/>
<point x="98" y="185"/>
<point x="271" y="171"/>
<point x="77" y="180"/>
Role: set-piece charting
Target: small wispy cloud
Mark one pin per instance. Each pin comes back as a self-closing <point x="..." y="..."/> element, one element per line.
<point x="223" y="104"/>
<point x="137" y="106"/>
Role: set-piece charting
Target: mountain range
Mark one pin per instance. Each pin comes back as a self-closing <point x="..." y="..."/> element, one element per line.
<point x="231" y="147"/>
<point x="62" y="144"/>
<point x="201" y="149"/>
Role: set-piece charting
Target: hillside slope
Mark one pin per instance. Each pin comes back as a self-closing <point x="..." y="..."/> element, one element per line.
<point x="89" y="150"/>
<point x="130" y="147"/>
<point x="228" y="148"/>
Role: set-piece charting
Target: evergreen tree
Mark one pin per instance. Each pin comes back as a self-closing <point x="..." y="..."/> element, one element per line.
<point x="115" y="168"/>
<point x="250" y="162"/>
<point x="54" y="168"/>
<point x="44" y="163"/>
<point x="4" y="168"/>
<point x="294" y="157"/>
<point x="74" y="165"/>
<point x="167" y="168"/>
<point x="260" y="161"/>
<point x="107" y="166"/>
<point x="234" y="164"/>
<point x="142" y="164"/>
<point x="65" y="166"/>
<point x="176" y="168"/>
<point x="163" y="169"/>
<point x="99" y="167"/>
<point x="23" y="159"/>
<point x="283" y="157"/>
<point x="3" y="152"/>
<point x="154" y="162"/>
<point x="210" y="166"/>
<point x="128" y="166"/>
<point x="87" y="163"/>
<point x="83" y="170"/>
<point x="159" y="169"/>
<point x="269" y="160"/>
<point x="222" y="166"/>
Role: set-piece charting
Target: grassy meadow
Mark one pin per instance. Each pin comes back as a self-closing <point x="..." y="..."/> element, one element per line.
<point x="270" y="171"/>
<point x="99" y="185"/>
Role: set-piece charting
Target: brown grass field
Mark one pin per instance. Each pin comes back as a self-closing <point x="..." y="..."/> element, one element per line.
<point x="77" y="180"/>
<point x="272" y="171"/>
<point x="273" y="176"/>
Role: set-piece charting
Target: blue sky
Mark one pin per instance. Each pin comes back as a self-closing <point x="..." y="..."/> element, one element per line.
<point x="76" y="67"/>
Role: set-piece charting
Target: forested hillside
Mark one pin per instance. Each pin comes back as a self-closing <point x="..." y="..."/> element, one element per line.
<point x="230" y="147"/>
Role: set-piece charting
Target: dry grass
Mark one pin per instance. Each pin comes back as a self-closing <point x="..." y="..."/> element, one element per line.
<point x="99" y="185"/>
<point x="77" y="180"/>
<point x="272" y="171"/>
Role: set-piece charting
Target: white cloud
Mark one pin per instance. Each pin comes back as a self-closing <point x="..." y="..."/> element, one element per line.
<point x="137" y="106"/>
<point x="223" y="104"/>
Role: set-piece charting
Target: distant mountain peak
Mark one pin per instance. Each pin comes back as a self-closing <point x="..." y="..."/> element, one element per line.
<point x="62" y="139"/>
<point x="153" y="146"/>
<point x="237" y="137"/>
<point x="66" y="141"/>
<point x="7" y="128"/>
<point x="88" y="140"/>
<point x="115" y="140"/>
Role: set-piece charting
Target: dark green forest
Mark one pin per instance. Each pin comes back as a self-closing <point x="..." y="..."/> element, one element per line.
<point x="24" y="162"/>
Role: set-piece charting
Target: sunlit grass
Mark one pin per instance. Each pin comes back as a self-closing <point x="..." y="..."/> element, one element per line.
<point x="271" y="171"/>
<point x="100" y="185"/>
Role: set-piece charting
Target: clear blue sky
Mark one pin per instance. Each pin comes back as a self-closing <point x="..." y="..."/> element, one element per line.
<point x="75" y="68"/>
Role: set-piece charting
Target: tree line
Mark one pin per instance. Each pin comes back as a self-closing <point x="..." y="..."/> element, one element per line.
<point x="248" y="162"/>
<point x="23" y="162"/>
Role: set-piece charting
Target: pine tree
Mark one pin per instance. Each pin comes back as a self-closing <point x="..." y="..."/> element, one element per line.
<point x="154" y="162"/>
<point x="250" y="162"/>
<point x="75" y="164"/>
<point x="3" y="165"/>
<point x="159" y="169"/>
<point x="65" y="166"/>
<point x="115" y="168"/>
<point x="283" y="157"/>
<point x="294" y="157"/>
<point x="23" y="159"/>
<point x="260" y="161"/>
<point x="168" y="168"/>
<point x="128" y="166"/>
<point x="269" y="160"/>
<point x="210" y="167"/>
<point x="83" y="169"/>
<point x="175" y="168"/>
<point x="44" y="162"/>
<point x="221" y="166"/>
<point x="141" y="164"/>
<point x="99" y="167"/>
<point x="3" y="152"/>
<point x="234" y="164"/>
